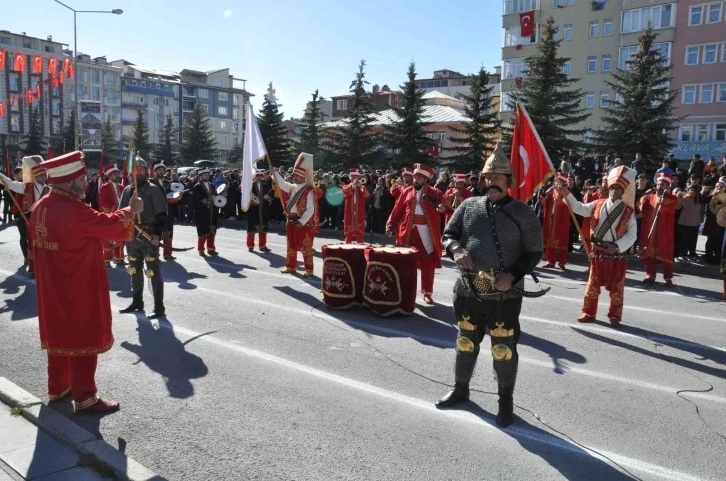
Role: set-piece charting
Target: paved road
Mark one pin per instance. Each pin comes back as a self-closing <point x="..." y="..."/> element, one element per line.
<point x="252" y="378"/>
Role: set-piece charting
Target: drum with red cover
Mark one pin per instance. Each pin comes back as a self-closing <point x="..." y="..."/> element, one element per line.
<point x="390" y="280"/>
<point x="343" y="268"/>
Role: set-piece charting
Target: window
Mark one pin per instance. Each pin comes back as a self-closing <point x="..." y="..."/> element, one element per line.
<point x="133" y="83"/>
<point x="567" y="68"/>
<point x="14" y="80"/>
<point x="143" y="83"/>
<point x="588" y="137"/>
<point x="590" y="100"/>
<point x="627" y="53"/>
<point x="222" y="124"/>
<point x="221" y="110"/>
<point x="556" y="33"/>
<point x="235" y="127"/>
<point x="222" y="139"/>
<point x="176" y="89"/>
<point x="660" y="16"/>
<point x="516" y="6"/>
<point x="505" y="102"/>
<point x="702" y="131"/>
<point x="95" y="93"/>
<point x="235" y="114"/>
<point x="721" y="97"/>
<point x="96" y="76"/>
<point x="689" y="94"/>
<point x="111" y="79"/>
<point x="606" y="63"/>
<point x="224" y="96"/>
<point x="5" y="40"/>
<point x="695" y="16"/>
<point x="568" y="32"/>
<point x="342" y="105"/>
<point x="176" y="107"/>
<point x="217" y="83"/>
<point x="720" y="132"/>
<point x="56" y="107"/>
<point x="723" y="52"/>
<point x="692" y="55"/>
<point x="205" y="108"/>
<point x="203" y="93"/>
<point x="111" y="96"/>
<point x="710" y="52"/>
<point x="15" y="122"/>
<point x="607" y="27"/>
<point x="686" y="133"/>
<point x="706" y="94"/>
<point x="591" y="64"/>
<point x="594" y="27"/>
<point x="235" y="100"/>
<point x="604" y="100"/>
<point x="514" y="67"/>
<point x="166" y="87"/>
<point x="714" y="13"/>
<point x="55" y="91"/>
<point x="512" y="38"/>
<point x="563" y="3"/>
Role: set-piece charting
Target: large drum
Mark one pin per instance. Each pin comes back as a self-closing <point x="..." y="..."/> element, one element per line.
<point x="390" y="280"/>
<point x="343" y="268"/>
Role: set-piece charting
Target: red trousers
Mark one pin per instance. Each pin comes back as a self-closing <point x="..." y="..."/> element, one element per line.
<point x="299" y="239"/>
<point x="425" y="262"/>
<point x="113" y="254"/>
<point x="74" y="373"/>
<point x="359" y="237"/>
<point x="651" y="268"/>
<point x="610" y="274"/>
<point x="206" y="239"/>
<point x="551" y="255"/>
<point x="167" y="247"/>
<point x="251" y="239"/>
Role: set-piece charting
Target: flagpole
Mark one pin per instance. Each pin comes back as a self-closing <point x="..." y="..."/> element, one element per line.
<point x="554" y="173"/>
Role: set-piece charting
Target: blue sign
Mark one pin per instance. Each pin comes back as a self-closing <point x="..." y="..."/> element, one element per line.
<point x="706" y="149"/>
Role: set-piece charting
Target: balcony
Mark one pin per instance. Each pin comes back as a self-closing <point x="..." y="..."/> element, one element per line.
<point x="133" y="105"/>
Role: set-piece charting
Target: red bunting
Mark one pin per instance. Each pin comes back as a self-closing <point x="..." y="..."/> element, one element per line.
<point x="38" y="91"/>
<point x="30" y="96"/>
<point x="19" y="62"/>
<point x="67" y="68"/>
<point x="54" y="81"/>
<point x="3" y="53"/>
<point x="37" y="64"/>
<point x="2" y="109"/>
<point x="52" y="65"/>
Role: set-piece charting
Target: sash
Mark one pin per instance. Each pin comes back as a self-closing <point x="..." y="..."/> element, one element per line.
<point x="292" y="201"/>
<point x="609" y="221"/>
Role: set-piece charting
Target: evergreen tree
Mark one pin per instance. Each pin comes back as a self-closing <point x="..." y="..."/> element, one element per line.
<point x="236" y="155"/>
<point x="109" y="145"/>
<point x="33" y="143"/>
<point x="478" y="136"/>
<point x="69" y="133"/>
<point x="310" y="137"/>
<point x="274" y="134"/>
<point x="406" y="138"/>
<point x="199" y="142"/>
<point x="166" y="149"/>
<point x="641" y="116"/>
<point x="140" y="136"/>
<point x="551" y="100"/>
<point x="353" y="143"/>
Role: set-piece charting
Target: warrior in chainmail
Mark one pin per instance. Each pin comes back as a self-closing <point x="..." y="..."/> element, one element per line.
<point x="495" y="233"/>
<point x="140" y="250"/>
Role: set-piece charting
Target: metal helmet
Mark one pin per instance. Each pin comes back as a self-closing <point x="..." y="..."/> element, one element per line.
<point x="497" y="163"/>
<point x="141" y="163"/>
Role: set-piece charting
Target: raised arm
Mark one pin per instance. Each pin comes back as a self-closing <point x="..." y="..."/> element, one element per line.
<point x="282" y="183"/>
<point x="13" y="185"/>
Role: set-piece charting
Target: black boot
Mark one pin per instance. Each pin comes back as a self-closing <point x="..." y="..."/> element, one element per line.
<point x="458" y="395"/>
<point x="137" y="305"/>
<point x="505" y="416"/>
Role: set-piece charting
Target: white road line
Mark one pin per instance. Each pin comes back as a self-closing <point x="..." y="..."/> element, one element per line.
<point x="386" y="331"/>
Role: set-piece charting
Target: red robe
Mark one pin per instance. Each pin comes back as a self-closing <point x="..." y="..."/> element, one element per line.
<point x="108" y="201"/>
<point x="74" y="306"/>
<point x="354" y="220"/>
<point x="590" y="196"/>
<point x="556" y="225"/>
<point x="300" y="238"/>
<point x="660" y="245"/>
<point x="449" y="199"/>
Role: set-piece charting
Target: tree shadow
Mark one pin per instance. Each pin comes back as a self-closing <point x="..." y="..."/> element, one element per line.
<point x="223" y="266"/>
<point x="557" y="352"/>
<point x="175" y="272"/>
<point x="166" y="355"/>
<point x="24" y="305"/>
<point x="684" y="363"/>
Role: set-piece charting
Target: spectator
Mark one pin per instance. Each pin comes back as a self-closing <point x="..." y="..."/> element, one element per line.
<point x="713" y="231"/>
<point x="638" y="164"/>
<point x="690" y="205"/>
<point x="697" y="167"/>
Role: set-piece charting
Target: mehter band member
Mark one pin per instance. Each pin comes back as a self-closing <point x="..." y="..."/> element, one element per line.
<point x="354" y="220"/>
<point x="613" y="233"/>
<point x="164" y="184"/>
<point x="145" y="245"/>
<point x="206" y="214"/>
<point x="74" y="308"/>
<point x="555" y="225"/>
<point x="491" y="233"/>
<point x="658" y="210"/>
<point x="109" y="200"/>
<point x="258" y="214"/>
<point x="301" y="208"/>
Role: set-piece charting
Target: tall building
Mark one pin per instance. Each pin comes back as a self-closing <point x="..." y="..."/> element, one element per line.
<point x="54" y="103"/>
<point x="455" y="84"/>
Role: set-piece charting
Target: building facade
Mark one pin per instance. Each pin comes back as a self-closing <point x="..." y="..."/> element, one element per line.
<point x="455" y="84"/>
<point x="382" y="98"/>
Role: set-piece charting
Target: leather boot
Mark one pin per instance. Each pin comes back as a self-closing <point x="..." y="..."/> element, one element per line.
<point x="137" y="305"/>
<point x="458" y="395"/>
<point x="505" y="416"/>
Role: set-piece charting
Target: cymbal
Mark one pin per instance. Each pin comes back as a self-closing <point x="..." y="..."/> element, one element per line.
<point x="721" y="218"/>
<point x="717" y="202"/>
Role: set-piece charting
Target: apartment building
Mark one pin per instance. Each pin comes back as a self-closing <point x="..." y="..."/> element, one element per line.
<point x="382" y="98"/>
<point x="699" y="70"/>
<point x="455" y="84"/>
<point x="54" y="102"/>
<point x="223" y="102"/>
<point x="597" y="36"/>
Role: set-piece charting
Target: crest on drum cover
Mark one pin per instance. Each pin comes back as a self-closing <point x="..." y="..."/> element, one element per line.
<point x="378" y="285"/>
<point x="335" y="283"/>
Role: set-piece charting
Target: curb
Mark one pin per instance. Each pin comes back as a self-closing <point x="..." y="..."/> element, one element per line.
<point x="94" y="453"/>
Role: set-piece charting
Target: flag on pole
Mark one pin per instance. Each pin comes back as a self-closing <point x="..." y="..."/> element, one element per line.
<point x="49" y="154"/>
<point x="531" y="164"/>
<point x="100" y="173"/>
<point x="130" y="164"/>
<point x="254" y="150"/>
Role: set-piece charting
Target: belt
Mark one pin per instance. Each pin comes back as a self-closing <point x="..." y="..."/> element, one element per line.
<point x="419" y="219"/>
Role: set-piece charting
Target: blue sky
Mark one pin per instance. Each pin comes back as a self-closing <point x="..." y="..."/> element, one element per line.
<point x="298" y="45"/>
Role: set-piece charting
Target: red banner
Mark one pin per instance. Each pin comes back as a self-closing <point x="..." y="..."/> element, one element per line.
<point x="19" y="62"/>
<point x="526" y="24"/>
<point x="530" y="163"/>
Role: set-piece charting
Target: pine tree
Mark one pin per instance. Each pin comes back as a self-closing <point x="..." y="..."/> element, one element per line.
<point x="199" y="142"/>
<point x="274" y="134"/>
<point x="406" y="137"/>
<point x="310" y="136"/>
<point x="551" y="100"/>
<point x="641" y="116"/>
<point x="140" y="136"/>
<point x="109" y="144"/>
<point x="33" y="142"/>
<point x="69" y="133"/>
<point x="235" y="156"/>
<point x="353" y="143"/>
<point x="167" y="148"/>
<point x="478" y="136"/>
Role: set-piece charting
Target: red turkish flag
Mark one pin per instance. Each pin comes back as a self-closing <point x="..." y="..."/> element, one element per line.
<point x="3" y="54"/>
<point x="37" y="64"/>
<point x="526" y="24"/>
<point x="52" y="65"/>
<point x="19" y="62"/>
<point x="531" y="164"/>
<point x="67" y="68"/>
<point x="38" y="91"/>
<point x="2" y="112"/>
<point x="30" y="96"/>
<point x="49" y="155"/>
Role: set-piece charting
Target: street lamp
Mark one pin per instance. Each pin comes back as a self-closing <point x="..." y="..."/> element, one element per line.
<point x="115" y="11"/>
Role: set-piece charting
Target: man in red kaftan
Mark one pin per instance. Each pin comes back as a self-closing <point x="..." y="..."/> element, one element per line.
<point x="556" y="225"/>
<point x="656" y="243"/>
<point x="109" y="199"/>
<point x="354" y="220"/>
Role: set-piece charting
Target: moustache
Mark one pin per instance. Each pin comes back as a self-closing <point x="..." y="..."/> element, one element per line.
<point x="495" y="187"/>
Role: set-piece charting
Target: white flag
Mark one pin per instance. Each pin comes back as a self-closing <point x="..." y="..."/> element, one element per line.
<point x="254" y="150"/>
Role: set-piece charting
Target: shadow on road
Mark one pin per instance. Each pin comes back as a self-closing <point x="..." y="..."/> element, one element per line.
<point x="176" y="272"/>
<point x="222" y="265"/>
<point x="166" y="355"/>
<point x="557" y="352"/>
<point x="276" y="260"/>
<point x="23" y="306"/>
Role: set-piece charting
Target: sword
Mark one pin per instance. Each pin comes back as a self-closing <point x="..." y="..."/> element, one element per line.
<point x="147" y="237"/>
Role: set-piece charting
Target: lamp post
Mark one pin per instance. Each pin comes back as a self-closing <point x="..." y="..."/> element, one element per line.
<point x="115" y="11"/>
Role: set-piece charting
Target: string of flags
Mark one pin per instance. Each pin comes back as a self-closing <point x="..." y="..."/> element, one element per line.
<point x="58" y="71"/>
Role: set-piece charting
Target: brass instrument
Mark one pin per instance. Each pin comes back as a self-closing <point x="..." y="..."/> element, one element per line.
<point x="360" y="181"/>
<point x="316" y="185"/>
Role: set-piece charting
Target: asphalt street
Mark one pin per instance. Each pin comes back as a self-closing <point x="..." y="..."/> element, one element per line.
<point x="251" y="377"/>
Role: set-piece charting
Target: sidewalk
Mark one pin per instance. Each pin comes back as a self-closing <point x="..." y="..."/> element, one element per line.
<point x="38" y="443"/>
